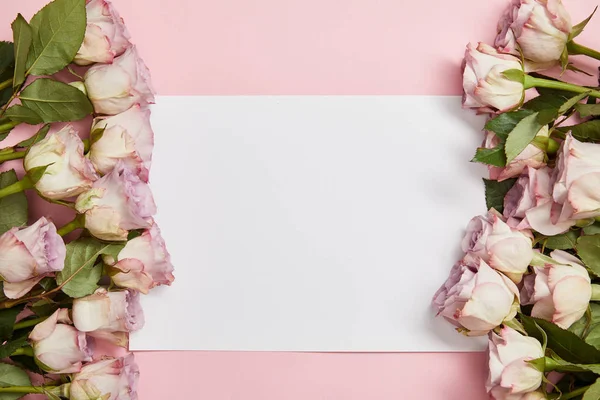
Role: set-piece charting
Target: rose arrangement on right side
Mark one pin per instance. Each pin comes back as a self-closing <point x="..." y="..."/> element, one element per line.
<point x="530" y="275"/>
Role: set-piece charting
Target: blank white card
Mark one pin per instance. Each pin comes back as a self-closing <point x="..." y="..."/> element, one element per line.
<point x="310" y="223"/>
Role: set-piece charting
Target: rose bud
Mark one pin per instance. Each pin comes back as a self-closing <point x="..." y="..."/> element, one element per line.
<point x="540" y="29"/>
<point x="114" y="88"/>
<point x="28" y="255"/>
<point x="57" y="346"/>
<point x="128" y="137"/>
<point x="529" y="204"/>
<point x="560" y="292"/>
<point x="108" y="312"/>
<point x="531" y="156"/>
<point x="476" y="298"/>
<point x="69" y="172"/>
<point x="118" y="202"/>
<point x="510" y="373"/>
<point x="503" y="248"/>
<point x="143" y="263"/>
<point x="107" y="379"/>
<point x="485" y="86"/>
<point x="105" y="35"/>
<point x="576" y="179"/>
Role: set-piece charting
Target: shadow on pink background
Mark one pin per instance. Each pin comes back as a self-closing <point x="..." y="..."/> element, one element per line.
<point x="231" y="47"/>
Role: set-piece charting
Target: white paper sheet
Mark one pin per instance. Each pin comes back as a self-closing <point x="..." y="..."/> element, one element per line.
<point x="310" y="223"/>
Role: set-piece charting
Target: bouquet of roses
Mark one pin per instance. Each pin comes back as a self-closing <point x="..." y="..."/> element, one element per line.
<point x="59" y="298"/>
<point x="531" y="269"/>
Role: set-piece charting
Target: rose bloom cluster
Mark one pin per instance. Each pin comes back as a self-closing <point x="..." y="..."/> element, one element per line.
<point x="108" y="186"/>
<point x="501" y="271"/>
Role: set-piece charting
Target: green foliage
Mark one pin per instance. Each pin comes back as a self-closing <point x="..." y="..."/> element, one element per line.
<point x="7" y="322"/>
<point x="22" y="37"/>
<point x="19" y="113"/>
<point x="495" y="192"/>
<point x="13" y="208"/>
<point x="39" y="135"/>
<point x="564" y="241"/>
<point x="55" y="101"/>
<point x="58" y="31"/>
<point x="588" y="249"/>
<point x="11" y="375"/>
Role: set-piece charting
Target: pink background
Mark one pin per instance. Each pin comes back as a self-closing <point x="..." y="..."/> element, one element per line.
<point x="231" y="47"/>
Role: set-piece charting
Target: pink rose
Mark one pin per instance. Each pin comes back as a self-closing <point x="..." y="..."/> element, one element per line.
<point x="510" y="373"/>
<point x="531" y="156"/>
<point x="539" y="28"/>
<point x="58" y="347"/>
<point x="144" y="263"/>
<point x="503" y="248"/>
<point x="28" y="255"/>
<point x="529" y="204"/>
<point x="560" y="292"/>
<point x="485" y="87"/>
<point x="128" y="137"/>
<point x="476" y="298"/>
<point x="69" y="172"/>
<point x="576" y="179"/>
<point x="118" y="202"/>
<point x="115" y="88"/>
<point x="105" y="36"/>
<point x="107" y="379"/>
<point x="108" y="312"/>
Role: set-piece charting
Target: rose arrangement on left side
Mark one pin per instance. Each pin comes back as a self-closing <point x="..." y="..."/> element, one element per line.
<point x="530" y="274"/>
<point x="61" y="296"/>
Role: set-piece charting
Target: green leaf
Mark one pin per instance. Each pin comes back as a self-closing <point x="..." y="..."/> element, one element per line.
<point x="593" y="393"/>
<point x="521" y="136"/>
<point x="586" y="132"/>
<point x="592" y="229"/>
<point x="80" y="272"/>
<point x="7" y="57"/>
<point x="35" y="174"/>
<point x="564" y="241"/>
<point x="588" y="249"/>
<point x="495" y="156"/>
<point x="577" y="29"/>
<point x="545" y="102"/>
<point x="572" y="102"/>
<point x="55" y="101"/>
<point x="504" y="123"/>
<point x="19" y="113"/>
<point x="10" y="346"/>
<point x="566" y="344"/>
<point x="22" y="36"/>
<point x="58" y="32"/>
<point x="41" y="134"/>
<point x="12" y="376"/>
<point x="495" y="192"/>
<point x="13" y="208"/>
<point x="588" y="110"/>
<point x="44" y="308"/>
<point x="7" y="322"/>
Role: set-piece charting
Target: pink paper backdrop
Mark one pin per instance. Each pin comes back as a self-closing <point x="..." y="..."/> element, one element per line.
<point x="229" y="47"/>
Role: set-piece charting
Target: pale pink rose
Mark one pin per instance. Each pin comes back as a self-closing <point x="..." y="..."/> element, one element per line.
<point x="531" y="156"/>
<point x="510" y="373"/>
<point x="58" y="347"/>
<point x="502" y="247"/>
<point x="69" y="172"/>
<point x="108" y="312"/>
<point x="485" y="87"/>
<point x="560" y="292"/>
<point x="105" y="36"/>
<point x="127" y="137"/>
<point x="118" y="202"/>
<point x="577" y="178"/>
<point x="143" y="263"/>
<point x="107" y="379"/>
<point x="529" y="204"/>
<point x="539" y="28"/>
<point x="28" y="255"/>
<point x="475" y="297"/>
<point x="115" y="88"/>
